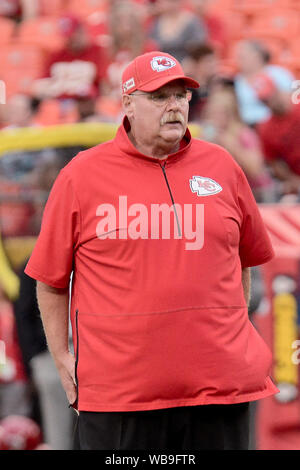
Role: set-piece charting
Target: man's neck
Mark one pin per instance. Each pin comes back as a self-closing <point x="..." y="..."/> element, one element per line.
<point x="159" y="150"/>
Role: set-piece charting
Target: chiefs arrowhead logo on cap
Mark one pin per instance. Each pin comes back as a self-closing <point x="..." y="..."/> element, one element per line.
<point x="141" y="73"/>
<point x="204" y="186"/>
<point x="161" y="63"/>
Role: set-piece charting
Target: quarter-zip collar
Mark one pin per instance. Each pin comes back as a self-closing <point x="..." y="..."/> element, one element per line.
<point x="125" y="145"/>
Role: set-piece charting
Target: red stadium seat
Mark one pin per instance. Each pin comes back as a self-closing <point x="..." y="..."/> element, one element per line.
<point x="290" y="56"/>
<point x="253" y="7"/>
<point x="85" y="8"/>
<point x="50" y="113"/>
<point x="236" y="24"/>
<point x="41" y="31"/>
<point x="108" y="107"/>
<point x="53" y="7"/>
<point x="20" y="65"/>
<point x="221" y="5"/>
<point x="294" y="4"/>
<point x="281" y="24"/>
<point x="7" y="28"/>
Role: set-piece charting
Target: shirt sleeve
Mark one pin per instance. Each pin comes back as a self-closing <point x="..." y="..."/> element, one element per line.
<point x="255" y="245"/>
<point x="266" y="140"/>
<point x="51" y="261"/>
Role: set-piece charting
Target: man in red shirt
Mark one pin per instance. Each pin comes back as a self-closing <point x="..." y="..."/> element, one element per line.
<point x="159" y="231"/>
<point x="216" y="27"/>
<point x="280" y="134"/>
<point x="77" y="69"/>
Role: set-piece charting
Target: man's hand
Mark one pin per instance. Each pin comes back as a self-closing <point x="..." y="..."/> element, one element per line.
<point x="66" y="368"/>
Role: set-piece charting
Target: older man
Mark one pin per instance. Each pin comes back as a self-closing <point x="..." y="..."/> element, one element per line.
<point x="159" y="230"/>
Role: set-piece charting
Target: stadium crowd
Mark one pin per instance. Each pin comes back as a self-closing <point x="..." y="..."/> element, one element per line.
<point x="62" y="61"/>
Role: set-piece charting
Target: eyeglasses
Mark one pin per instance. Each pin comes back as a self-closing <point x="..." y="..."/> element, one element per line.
<point x="162" y="98"/>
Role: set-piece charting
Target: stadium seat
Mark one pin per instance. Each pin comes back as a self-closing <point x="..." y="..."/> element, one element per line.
<point x="236" y="24"/>
<point x="281" y="24"/>
<point x="221" y="5"/>
<point x="52" y="8"/>
<point x="290" y="56"/>
<point x="294" y="4"/>
<point x="108" y="107"/>
<point x="20" y="65"/>
<point x="85" y="8"/>
<point x="254" y="7"/>
<point x="50" y="114"/>
<point x="7" y="28"/>
<point x="41" y="31"/>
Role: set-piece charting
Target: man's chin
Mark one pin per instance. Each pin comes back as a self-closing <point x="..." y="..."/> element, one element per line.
<point x="173" y="132"/>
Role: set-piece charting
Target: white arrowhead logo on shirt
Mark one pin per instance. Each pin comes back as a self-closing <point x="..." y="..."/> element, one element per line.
<point x="204" y="186"/>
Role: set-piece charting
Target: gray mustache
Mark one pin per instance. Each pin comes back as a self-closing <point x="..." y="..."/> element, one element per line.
<point x="172" y="117"/>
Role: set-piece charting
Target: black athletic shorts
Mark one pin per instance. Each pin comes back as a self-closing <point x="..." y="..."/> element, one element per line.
<point x="205" y="427"/>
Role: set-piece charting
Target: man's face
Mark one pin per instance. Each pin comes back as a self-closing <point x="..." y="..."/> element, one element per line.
<point x="155" y="119"/>
<point x="206" y="68"/>
<point x="79" y="40"/>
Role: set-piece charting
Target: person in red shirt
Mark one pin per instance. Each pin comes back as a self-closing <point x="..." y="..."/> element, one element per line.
<point x="159" y="231"/>
<point x="216" y="29"/>
<point x="280" y="133"/>
<point x="15" y="395"/>
<point x="77" y="69"/>
<point x="127" y="39"/>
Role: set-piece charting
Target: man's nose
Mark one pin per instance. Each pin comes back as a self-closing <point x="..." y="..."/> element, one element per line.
<point x="172" y="102"/>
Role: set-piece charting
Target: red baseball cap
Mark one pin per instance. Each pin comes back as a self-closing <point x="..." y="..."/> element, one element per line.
<point x="264" y="86"/>
<point x="152" y="70"/>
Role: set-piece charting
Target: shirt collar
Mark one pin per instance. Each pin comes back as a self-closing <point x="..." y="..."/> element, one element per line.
<point x="124" y="143"/>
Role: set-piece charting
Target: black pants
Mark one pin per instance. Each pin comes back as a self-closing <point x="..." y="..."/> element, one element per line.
<point x="205" y="427"/>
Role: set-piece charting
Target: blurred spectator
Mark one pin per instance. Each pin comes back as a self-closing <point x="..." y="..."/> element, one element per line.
<point x="127" y="40"/>
<point x="14" y="387"/>
<point x="215" y="26"/>
<point x="280" y="134"/>
<point x="57" y="418"/>
<point x="10" y="9"/>
<point x="20" y="433"/>
<point x="87" y="110"/>
<point x="224" y="126"/>
<point x="253" y="58"/>
<point x="202" y="64"/>
<point x="19" y="112"/>
<point x="9" y="281"/>
<point x="74" y="70"/>
<point x="19" y="10"/>
<point x="175" y="27"/>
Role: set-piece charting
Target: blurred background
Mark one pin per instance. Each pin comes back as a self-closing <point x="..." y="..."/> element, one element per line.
<point x="60" y="72"/>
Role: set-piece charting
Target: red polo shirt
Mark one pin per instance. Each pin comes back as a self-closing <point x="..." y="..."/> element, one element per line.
<point x="159" y="318"/>
<point x="280" y="137"/>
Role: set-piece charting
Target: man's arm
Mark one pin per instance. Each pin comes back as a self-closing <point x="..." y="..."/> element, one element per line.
<point x="54" y="308"/>
<point x="246" y="281"/>
<point x="290" y="179"/>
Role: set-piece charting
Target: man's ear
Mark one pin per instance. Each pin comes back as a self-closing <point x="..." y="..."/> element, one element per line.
<point x="127" y="103"/>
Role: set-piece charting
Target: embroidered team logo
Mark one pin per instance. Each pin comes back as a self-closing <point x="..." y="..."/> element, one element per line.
<point x="128" y="85"/>
<point x="162" y="63"/>
<point x="204" y="186"/>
